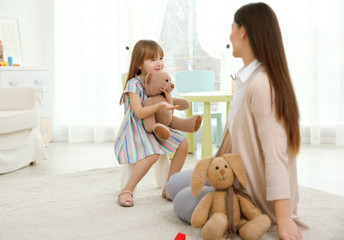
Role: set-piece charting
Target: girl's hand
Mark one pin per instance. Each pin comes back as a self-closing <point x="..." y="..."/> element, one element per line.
<point x="288" y="230"/>
<point x="162" y="90"/>
<point x="168" y="106"/>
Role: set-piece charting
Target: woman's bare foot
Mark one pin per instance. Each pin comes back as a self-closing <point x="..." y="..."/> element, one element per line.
<point x="164" y="194"/>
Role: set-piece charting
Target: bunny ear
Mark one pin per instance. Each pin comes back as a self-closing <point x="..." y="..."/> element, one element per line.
<point x="237" y="166"/>
<point x="148" y="76"/>
<point x="199" y="175"/>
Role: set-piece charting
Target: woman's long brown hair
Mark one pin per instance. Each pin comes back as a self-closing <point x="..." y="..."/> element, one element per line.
<point x="143" y="50"/>
<point x="263" y="31"/>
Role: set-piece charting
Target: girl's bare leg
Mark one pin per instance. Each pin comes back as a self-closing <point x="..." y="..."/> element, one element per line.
<point x="139" y="171"/>
<point x="179" y="157"/>
<point x="177" y="162"/>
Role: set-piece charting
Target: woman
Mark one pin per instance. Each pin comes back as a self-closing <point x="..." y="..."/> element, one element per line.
<point x="262" y="126"/>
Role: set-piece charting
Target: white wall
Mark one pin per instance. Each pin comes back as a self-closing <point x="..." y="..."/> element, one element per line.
<point x="36" y="21"/>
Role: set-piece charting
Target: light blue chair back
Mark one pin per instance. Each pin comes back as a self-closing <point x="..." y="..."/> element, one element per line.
<point x="195" y="81"/>
<point x="199" y="81"/>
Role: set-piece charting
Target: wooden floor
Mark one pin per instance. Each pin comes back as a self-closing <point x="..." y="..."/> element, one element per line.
<point x="320" y="167"/>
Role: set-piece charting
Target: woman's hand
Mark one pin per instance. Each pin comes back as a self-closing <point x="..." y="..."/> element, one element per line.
<point x="286" y="227"/>
<point x="288" y="230"/>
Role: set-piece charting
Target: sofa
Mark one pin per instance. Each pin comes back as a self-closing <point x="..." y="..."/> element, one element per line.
<point x="20" y="138"/>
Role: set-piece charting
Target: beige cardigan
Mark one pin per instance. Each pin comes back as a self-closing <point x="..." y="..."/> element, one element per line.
<point x="262" y="143"/>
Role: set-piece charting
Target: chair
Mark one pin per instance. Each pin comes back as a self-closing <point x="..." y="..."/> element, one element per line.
<point x="199" y="81"/>
<point x="20" y="137"/>
<point x="162" y="166"/>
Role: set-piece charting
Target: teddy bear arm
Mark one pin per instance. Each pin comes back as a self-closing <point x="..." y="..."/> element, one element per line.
<point x="248" y="209"/>
<point x="183" y="103"/>
<point x="201" y="212"/>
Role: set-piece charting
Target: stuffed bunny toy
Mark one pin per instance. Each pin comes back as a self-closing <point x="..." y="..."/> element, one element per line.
<point x="226" y="208"/>
<point x="158" y="87"/>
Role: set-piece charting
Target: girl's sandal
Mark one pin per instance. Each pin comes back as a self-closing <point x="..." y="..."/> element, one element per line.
<point x="126" y="202"/>
<point x="164" y="194"/>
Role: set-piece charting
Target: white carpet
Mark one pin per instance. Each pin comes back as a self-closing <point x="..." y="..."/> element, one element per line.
<point x="83" y="206"/>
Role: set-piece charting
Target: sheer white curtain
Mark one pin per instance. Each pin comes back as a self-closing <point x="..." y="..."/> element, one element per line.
<point x="214" y="19"/>
<point x="86" y="90"/>
<point x="139" y="20"/>
<point x="314" y="44"/>
<point x="313" y="41"/>
<point x="90" y="55"/>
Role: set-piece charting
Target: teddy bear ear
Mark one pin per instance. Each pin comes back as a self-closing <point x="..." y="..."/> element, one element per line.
<point x="237" y="166"/>
<point x="199" y="175"/>
<point x="148" y="77"/>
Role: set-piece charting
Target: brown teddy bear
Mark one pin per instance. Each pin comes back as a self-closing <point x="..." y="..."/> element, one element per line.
<point x="158" y="87"/>
<point x="226" y="208"/>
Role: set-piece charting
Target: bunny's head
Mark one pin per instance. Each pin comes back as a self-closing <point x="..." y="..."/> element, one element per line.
<point x="220" y="171"/>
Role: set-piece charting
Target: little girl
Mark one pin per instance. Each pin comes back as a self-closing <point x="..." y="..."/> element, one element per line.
<point x="133" y="144"/>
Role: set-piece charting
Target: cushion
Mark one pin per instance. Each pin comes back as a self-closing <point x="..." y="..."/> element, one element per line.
<point x="18" y="149"/>
<point x="18" y="98"/>
<point x="12" y="121"/>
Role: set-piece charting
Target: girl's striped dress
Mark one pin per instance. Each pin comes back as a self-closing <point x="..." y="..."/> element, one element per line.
<point x="132" y="142"/>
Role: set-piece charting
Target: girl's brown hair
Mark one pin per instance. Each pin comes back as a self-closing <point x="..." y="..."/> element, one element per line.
<point x="143" y="50"/>
<point x="263" y="31"/>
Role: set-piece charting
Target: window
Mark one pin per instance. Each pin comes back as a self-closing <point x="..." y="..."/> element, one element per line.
<point x="180" y="42"/>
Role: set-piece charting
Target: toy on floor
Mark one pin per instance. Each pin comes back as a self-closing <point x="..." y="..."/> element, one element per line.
<point x="227" y="208"/>
<point x="158" y="87"/>
<point x="180" y="236"/>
